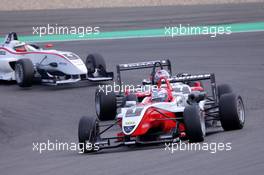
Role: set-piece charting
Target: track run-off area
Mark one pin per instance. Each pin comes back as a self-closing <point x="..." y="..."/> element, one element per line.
<point x="43" y="113"/>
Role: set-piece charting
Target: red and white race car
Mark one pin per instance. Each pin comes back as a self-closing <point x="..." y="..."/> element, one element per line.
<point x="25" y="62"/>
<point x="175" y="108"/>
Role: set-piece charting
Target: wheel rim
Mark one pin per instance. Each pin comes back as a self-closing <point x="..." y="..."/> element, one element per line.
<point x="93" y="134"/>
<point x="19" y="73"/>
<point x="101" y="69"/>
<point x="202" y="124"/>
<point x="97" y="105"/>
<point x="241" y="111"/>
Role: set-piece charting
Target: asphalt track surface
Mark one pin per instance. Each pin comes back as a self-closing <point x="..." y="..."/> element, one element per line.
<point x="41" y="113"/>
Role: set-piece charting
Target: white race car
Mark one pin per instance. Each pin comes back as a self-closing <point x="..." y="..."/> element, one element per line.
<point x="26" y="62"/>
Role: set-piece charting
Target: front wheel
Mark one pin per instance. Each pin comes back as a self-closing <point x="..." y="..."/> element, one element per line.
<point x="95" y="61"/>
<point x="24" y="72"/>
<point x="88" y="132"/>
<point x="194" y="123"/>
<point x="232" y="111"/>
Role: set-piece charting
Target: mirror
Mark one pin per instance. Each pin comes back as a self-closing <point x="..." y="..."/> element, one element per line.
<point x="48" y="45"/>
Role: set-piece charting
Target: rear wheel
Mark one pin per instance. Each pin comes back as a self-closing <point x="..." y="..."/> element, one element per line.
<point x="223" y="89"/>
<point x="24" y="72"/>
<point x="105" y="105"/>
<point x="232" y="112"/>
<point x="95" y="61"/>
<point x="194" y="123"/>
<point x="88" y="132"/>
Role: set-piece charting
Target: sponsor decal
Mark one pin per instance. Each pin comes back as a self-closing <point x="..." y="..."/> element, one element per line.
<point x="130" y="123"/>
<point x="191" y="77"/>
<point x="141" y="64"/>
<point x="2" y="52"/>
<point x="62" y="63"/>
<point x="134" y="112"/>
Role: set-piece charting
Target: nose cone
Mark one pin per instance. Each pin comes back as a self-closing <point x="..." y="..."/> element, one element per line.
<point x="131" y="122"/>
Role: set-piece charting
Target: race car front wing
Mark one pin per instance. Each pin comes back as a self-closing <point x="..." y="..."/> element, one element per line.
<point x="107" y="76"/>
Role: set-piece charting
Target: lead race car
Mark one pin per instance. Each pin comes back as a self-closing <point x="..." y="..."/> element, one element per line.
<point x="26" y="62"/>
<point x="178" y="108"/>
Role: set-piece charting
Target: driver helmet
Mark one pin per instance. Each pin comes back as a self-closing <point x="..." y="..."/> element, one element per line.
<point x="161" y="74"/>
<point x="159" y="95"/>
<point x="19" y="46"/>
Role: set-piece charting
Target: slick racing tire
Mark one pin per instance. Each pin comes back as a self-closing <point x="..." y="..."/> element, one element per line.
<point x="95" y="61"/>
<point x="231" y="111"/>
<point x="24" y="72"/>
<point x="88" y="132"/>
<point x="223" y="89"/>
<point x="129" y="97"/>
<point x="105" y="105"/>
<point x="194" y="123"/>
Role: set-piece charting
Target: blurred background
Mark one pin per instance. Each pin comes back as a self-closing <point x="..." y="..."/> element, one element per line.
<point x="9" y="5"/>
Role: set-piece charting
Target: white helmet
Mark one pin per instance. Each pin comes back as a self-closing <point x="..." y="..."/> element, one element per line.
<point x="15" y="43"/>
<point x="161" y="74"/>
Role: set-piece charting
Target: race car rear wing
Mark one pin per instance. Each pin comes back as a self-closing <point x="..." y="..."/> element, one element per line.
<point x="141" y="65"/>
<point x="198" y="77"/>
<point x="188" y="78"/>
